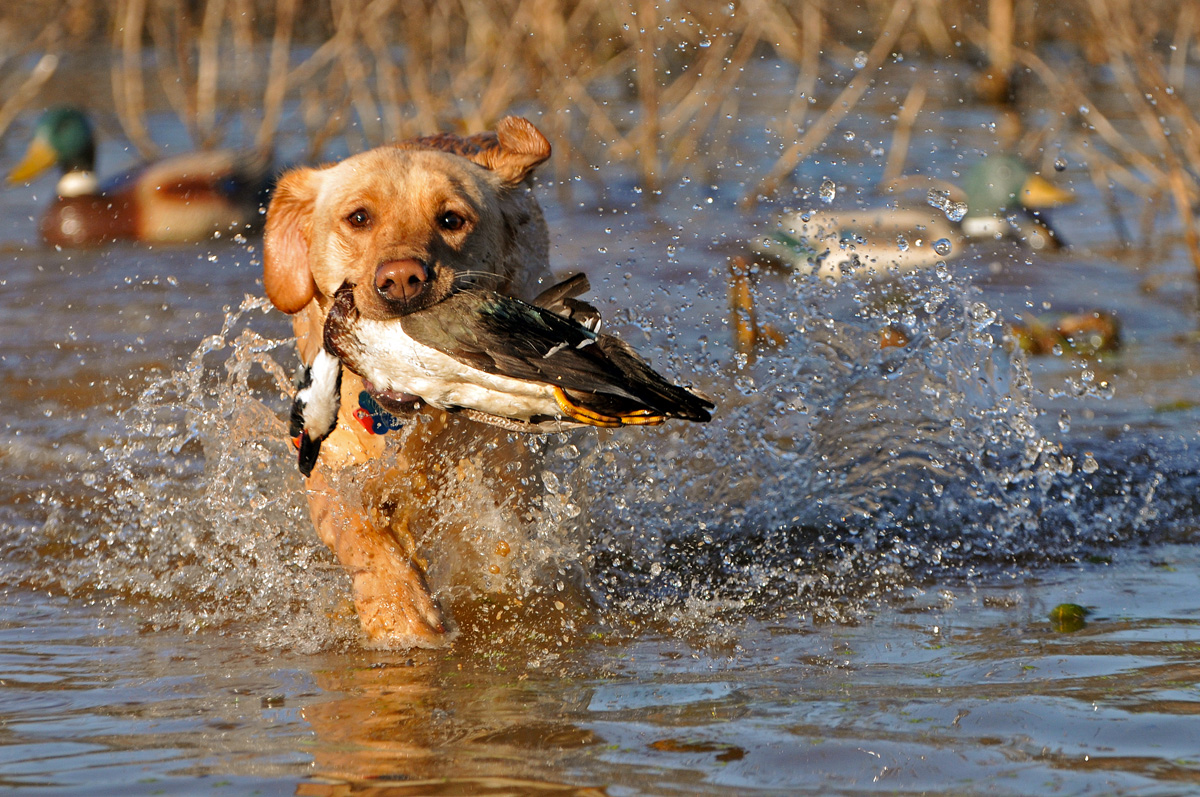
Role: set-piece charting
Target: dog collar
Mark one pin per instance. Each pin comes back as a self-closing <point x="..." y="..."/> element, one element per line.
<point x="374" y="418"/>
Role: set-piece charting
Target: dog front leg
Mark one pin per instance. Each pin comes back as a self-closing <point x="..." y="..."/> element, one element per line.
<point x="395" y="607"/>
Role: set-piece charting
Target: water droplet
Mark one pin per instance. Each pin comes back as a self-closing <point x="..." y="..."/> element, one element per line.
<point x="942" y="246"/>
<point x="1089" y="464"/>
<point x="827" y="191"/>
<point x="1064" y="421"/>
<point x="848" y="135"/>
<point x="955" y="211"/>
<point x="1060" y="164"/>
<point x="706" y="42"/>
<point x="656" y="569"/>
<point x="860" y="60"/>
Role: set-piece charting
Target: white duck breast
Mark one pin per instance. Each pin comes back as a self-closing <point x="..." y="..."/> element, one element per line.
<point x="383" y="353"/>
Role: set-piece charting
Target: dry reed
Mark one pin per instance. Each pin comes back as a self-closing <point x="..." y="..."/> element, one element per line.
<point x="651" y="85"/>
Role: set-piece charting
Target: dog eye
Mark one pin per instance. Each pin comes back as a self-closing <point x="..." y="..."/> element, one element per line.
<point x="359" y="219"/>
<point x="451" y="221"/>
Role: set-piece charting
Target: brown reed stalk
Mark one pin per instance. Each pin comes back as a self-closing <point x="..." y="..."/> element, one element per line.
<point x="811" y="29"/>
<point x="172" y="61"/>
<point x="42" y="71"/>
<point x="649" y="123"/>
<point x="1070" y="95"/>
<point x="933" y="27"/>
<point x="1123" y="46"/>
<point x="277" y="75"/>
<point x="695" y="113"/>
<point x="910" y="109"/>
<point x="841" y="106"/>
<point x="1001" y="29"/>
<point x="128" y="87"/>
<point x="208" y="51"/>
<point x="1185" y="28"/>
<point x="242" y="34"/>
<point x="347" y="14"/>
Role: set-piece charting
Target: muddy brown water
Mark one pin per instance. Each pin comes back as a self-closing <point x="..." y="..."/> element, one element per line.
<point x="842" y="585"/>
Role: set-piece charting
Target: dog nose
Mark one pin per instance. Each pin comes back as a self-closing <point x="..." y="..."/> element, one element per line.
<point x="401" y="280"/>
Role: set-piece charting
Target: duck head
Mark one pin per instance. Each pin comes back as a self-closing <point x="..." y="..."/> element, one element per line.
<point x="62" y="136"/>
<point x="1003" y="183"/>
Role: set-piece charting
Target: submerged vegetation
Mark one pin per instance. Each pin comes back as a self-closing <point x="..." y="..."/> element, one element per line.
<point x="657" y="87"/>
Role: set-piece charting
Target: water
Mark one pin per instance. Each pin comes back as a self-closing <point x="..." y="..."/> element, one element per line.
<point x="843" y="584"/>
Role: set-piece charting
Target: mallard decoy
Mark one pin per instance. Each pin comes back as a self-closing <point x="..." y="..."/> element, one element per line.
<point x="507" y="362"/>
<point x="184" y="198"/>
<point x="1005" y="198"/>
<point x="875" y="242"/>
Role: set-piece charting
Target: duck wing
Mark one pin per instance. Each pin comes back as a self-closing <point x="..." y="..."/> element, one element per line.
<point x="506" y="336"/>
<point x="563" y="299"/>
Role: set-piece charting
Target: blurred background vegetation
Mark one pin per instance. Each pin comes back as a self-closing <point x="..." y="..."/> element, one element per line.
<point x="652" y="85"/>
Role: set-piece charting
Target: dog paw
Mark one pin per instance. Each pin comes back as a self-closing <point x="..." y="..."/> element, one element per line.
<point x="396" y="610"/>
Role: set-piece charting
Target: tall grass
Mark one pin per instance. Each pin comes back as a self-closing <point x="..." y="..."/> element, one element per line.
<point x="646" y="83"/>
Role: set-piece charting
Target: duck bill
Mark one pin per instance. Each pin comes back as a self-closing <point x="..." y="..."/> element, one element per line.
<point x="39" y="157"/>
<point x="1038" y="193"/>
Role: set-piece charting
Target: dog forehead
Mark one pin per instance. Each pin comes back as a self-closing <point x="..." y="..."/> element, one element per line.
<point x="406" y="176"/>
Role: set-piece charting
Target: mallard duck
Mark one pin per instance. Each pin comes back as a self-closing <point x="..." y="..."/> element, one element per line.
<point x="319" y="384"/>
<point x="184" y="198"/>
<point x="506" y="362"/>
<point x="876" y="242"/>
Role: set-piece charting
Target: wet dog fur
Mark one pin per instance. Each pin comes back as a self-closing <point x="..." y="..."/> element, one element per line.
<point x="405" y="224"/>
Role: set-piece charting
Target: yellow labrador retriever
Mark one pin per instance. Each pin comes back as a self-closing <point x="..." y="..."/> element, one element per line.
<point x="406" y="225"/>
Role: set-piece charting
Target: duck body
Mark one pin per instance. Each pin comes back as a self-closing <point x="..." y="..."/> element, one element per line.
<point x="1003" y="198"/>
<point x="869" y="244"/>
<point x="185" y="198"/>
<point x="507" y="362"/>
<point x="319" y="384"/>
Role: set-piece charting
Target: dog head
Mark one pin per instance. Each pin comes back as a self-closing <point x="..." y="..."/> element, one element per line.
<point x="408" y="224"/>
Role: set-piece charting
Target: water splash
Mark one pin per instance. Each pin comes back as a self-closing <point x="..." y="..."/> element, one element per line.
<point x="827" y="191"/>
<point x="839" y="471"/>
<point x="199" y="521"/>
<point x="955" y="211"/>
<point x="192" y="510"/>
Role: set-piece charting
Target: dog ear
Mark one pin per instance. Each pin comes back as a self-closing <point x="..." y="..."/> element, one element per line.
<point x="287" y="278"/>
<point x="522" y="148"/>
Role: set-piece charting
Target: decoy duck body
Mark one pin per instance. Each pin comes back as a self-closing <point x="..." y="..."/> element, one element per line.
<point x="184" y="198"/>
<point x="875" y="242"/>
